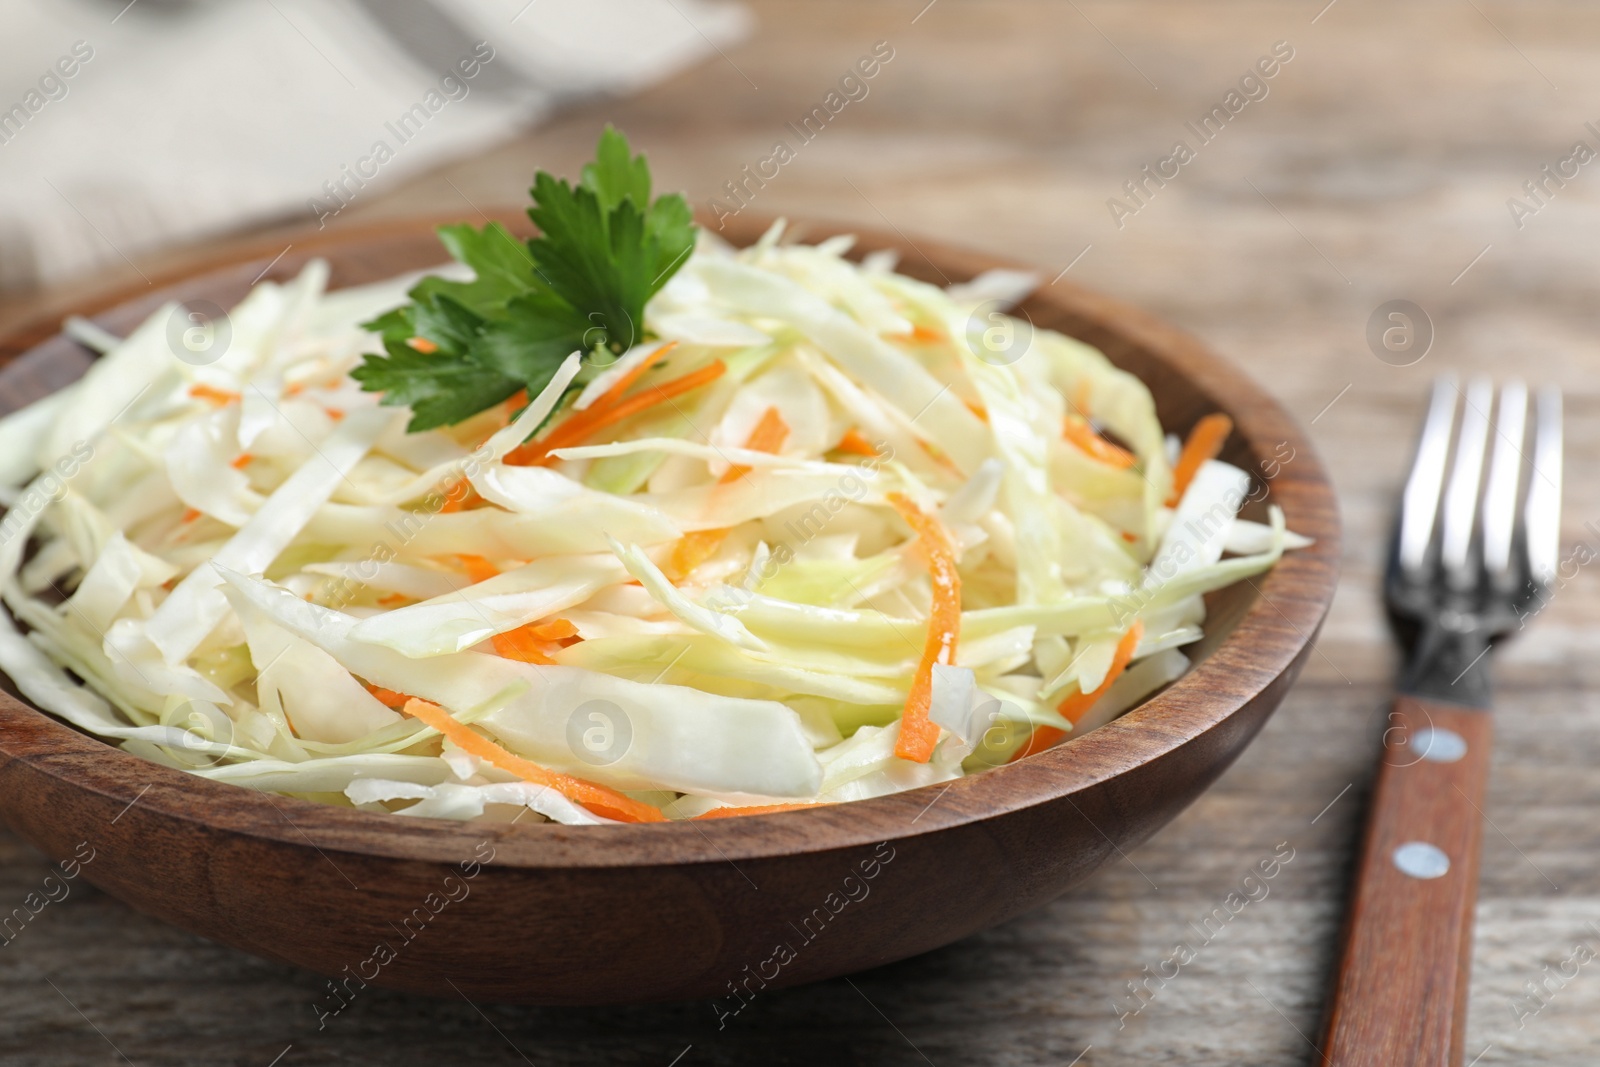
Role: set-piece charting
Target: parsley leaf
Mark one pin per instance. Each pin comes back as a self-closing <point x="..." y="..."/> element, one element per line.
<point x="440" y="390"/>
<point x="603" y="250"/>
<point x="503" y="265"/>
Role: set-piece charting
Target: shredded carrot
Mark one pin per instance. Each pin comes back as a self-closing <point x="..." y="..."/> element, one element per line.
<point x="599" y="799"/>
<point x="770" y="432"/>
<point x="584" y="423"/>
<point x="335" y="413"/>
<point x="756" y="809"/>
<point x="393" y="598"/>
<point x="506" y="412"/>
<point x="918" y="733"/>
<point x="1130" y="537"/>
<point x="478" y="568"/>
<point x="1205" y="442"/>
<point x="854" y="443"/>
<point x="1091" y="444"/>
<point x="694" y="548"/>
<point x="554" y="630"/>
<point x="211" y="394"/>
<point x="658" y="394"/>
<point x="925" y="333"/>
<point x="521" y="645"/>
<point x="579" y="424"/>
<point x="939" y="456"/>
<point x="423" y="345"/>
<point x="192" y="514"/>
<point x="1075" y="706"/>
<point x="458" y="497"/>
<point x="768" y="436"/>
<point x="294" y="388"/>
<point x="620" y="387"/>
<point x="389" y="698"/>
<point x="977" y="409"/>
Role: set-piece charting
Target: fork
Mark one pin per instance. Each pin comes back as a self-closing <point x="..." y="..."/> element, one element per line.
<point x="1467" y="564"/>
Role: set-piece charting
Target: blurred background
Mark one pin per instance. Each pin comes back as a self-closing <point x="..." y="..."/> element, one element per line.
<point x="1436" y="151"/>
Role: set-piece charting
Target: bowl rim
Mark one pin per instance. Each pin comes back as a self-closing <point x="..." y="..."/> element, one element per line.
<point x="1269" y="638"/>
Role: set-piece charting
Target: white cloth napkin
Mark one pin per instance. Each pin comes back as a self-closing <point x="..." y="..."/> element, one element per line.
<point x="127" y="126"/>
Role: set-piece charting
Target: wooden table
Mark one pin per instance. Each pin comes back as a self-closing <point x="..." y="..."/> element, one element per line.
<point x="1378" y="167"/>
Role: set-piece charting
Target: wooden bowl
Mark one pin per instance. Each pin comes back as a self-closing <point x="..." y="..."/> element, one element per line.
<point x="552" y="914"/>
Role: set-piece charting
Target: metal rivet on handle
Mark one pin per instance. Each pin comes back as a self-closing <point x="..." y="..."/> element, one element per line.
<point x="1421" y="860"/>
<point x="1438" y="745"/>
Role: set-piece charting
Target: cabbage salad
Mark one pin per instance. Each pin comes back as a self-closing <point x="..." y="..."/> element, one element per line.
<point x="823" y="533"/>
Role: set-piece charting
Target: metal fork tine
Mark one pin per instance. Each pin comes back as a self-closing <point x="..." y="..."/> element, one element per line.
<point x="1466" y="477"/>
<point x="1420" y="505"/>
<point x="1500" y="494"/>
<point x="1542" y="513"/>
<point x="1450" y="611"/>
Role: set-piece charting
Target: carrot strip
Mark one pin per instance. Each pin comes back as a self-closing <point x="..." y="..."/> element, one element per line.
<point x="977" y="409"/>
<point x="212" y="394"/>
<point x="393" y="598"/>
<point x="755" y="809"/>
<point x="585" y="423"/>
<point x="597" y="798"/>
<point x="1205" y="442"/>
<point x="389" y="698"/>
<point x="939" y="456"/>
<point x="336" y="414"/>
<point x="505" y="413"/>
<point x="659" y="394"/>
<point x="1091" y="444"/>
<point x="521" y="645"/>
<point x="918" y="733"/>
<point x="554" y="630"/>
<point x="478" y="568"/>
<point x="241" y="461"/>
<point x="1075" y="706"/>
<point x="458" y="497"/>
<point x="695" y="548"/>
<point x="621" y="386"/>
<point x="854" y="443"/>
<point x="768" y="437"/>
<point x="191" y="515"/>
<point x="423" y="345"/>
<point x="579" y="424"/>
<point x="770" y="432"/>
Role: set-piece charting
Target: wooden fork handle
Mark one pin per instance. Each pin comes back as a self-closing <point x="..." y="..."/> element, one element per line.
<point x="1401" y="992"/>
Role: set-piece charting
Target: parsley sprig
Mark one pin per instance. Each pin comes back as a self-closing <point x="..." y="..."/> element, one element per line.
<point x="604" y="248"/>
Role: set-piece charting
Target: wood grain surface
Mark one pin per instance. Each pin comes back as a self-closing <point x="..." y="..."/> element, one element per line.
<point x="1378" y="168"/>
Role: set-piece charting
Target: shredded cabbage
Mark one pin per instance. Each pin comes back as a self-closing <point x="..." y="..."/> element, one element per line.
<point x="245" y="569"/>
